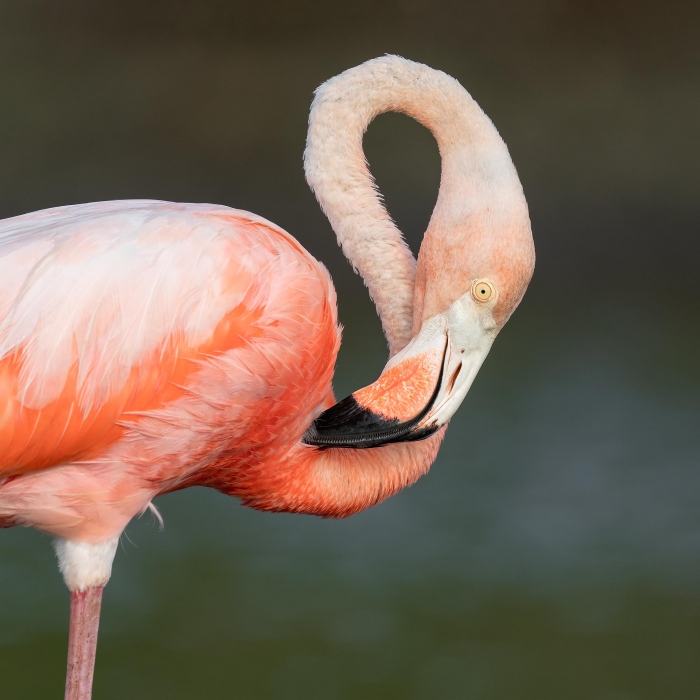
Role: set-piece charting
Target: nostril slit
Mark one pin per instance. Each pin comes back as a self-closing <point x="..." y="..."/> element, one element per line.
<point x="453" y="379"/>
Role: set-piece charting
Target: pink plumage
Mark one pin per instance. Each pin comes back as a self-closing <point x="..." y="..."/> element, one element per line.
<point x="148" y="346"/>
<point x="145" y="344"/>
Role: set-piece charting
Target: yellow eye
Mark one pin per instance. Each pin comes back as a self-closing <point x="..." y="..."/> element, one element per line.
<point x="483" y="290"/>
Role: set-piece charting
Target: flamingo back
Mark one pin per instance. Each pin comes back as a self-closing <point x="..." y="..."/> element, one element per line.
<point x="108" y="311"/>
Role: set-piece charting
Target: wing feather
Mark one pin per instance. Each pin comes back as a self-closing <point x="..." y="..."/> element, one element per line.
<point x="105" y="309"/>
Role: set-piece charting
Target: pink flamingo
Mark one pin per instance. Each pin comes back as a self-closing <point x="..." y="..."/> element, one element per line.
<point x="148" y="346"/>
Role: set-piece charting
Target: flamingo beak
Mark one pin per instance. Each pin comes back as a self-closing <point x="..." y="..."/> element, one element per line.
<point x="420" y="388"/>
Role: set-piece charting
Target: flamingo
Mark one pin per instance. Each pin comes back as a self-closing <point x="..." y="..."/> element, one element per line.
<point x="149" y="346"/>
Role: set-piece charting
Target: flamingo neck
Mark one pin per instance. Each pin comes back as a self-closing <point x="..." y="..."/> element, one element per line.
<point x="332" y="483"/>
<point x="476" y="171"/>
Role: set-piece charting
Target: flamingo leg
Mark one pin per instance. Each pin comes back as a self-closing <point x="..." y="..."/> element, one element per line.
<point x="82" y="642"/>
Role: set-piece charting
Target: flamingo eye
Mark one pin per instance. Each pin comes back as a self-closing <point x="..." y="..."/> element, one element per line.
<point x="483" y="290"/>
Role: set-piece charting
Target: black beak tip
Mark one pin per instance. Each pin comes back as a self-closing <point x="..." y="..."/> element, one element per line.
<point x="350" y="425"/>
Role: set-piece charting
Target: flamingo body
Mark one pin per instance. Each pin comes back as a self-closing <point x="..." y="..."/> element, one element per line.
<point x="148" y="346"/>
<point x="145" y="346"/>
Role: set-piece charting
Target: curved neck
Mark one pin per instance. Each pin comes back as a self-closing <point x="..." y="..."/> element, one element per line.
<point x="332" y="483"/>
<point x="476" y="167"/>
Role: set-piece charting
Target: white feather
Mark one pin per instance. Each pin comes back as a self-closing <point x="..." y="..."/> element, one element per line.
<point x="106" y="284"/>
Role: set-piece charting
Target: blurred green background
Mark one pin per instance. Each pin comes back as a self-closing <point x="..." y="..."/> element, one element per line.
<point x="554" y="549"/>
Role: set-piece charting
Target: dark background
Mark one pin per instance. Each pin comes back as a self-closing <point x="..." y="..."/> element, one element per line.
<point x="553" y="551"/>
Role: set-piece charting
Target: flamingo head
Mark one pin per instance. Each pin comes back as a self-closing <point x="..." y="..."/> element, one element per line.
<point x="468" y="284"/>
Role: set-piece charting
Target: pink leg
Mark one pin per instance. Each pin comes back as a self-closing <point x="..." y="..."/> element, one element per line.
<point x="82" y="642"/>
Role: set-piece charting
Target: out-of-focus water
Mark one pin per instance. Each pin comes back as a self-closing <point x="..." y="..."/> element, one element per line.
<point x="551" y="552"/>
